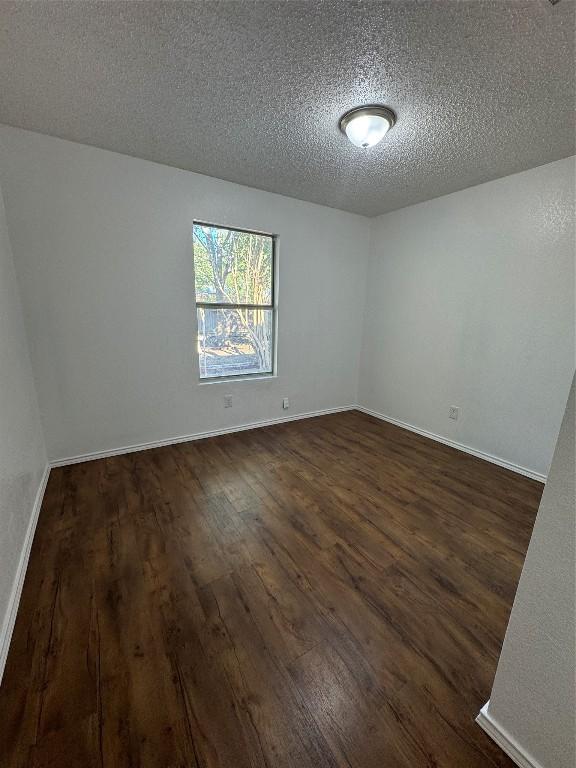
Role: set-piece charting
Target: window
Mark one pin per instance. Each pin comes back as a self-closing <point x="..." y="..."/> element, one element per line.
<point x="234" y="273"/>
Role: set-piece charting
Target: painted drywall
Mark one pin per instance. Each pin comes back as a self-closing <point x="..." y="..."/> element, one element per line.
<point x="534" y="693"/>
<point x="22" y="452"/>
<point x="102" y="244"/>
<point x="470" y="302"/>
<point x="466" y="300"/>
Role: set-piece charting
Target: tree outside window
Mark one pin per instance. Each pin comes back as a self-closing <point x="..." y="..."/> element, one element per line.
<point x="234" y="276"/>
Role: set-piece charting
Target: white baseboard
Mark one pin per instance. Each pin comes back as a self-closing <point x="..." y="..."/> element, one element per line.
<point x="459" y="446"/>
<point x="14" y="601"/>
<point x="281" y="420"/>
<point x="504" y="740"/>
<point x="195" y="436"/>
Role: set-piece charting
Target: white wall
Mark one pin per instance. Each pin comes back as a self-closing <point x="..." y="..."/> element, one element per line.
<point x="102" y="244"/>
<point x="534" y="693"/>
<point x="22" y="453"/>
<point x="470" y="302"/>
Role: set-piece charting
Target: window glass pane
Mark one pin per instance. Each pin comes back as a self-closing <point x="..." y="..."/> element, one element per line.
<point x="232" y="267"/>
<point x="233" y="342"/>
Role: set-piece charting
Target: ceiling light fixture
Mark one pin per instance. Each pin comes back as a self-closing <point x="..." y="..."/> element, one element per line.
<point x="366" y="126"/>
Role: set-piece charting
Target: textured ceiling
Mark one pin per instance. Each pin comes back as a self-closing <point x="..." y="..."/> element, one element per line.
<point x="252" y="91"/>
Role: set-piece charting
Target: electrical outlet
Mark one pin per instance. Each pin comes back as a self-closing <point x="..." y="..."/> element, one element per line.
<point x="453" y="412"/>
<point x="285" y="403"/>
<point x="227" y="401"/>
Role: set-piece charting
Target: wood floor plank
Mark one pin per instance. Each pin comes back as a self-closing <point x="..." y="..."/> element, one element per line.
<point x="330" y="592"/>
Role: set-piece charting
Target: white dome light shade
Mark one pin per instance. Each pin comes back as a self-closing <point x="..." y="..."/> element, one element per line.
<point x="366" y="126"/>
<point x="367" y="130"/>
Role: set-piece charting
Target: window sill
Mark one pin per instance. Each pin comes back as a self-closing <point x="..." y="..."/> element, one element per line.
<point x="238" y="379"/>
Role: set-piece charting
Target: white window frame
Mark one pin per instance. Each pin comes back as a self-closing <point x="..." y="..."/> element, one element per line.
<point x="227" y="305"/>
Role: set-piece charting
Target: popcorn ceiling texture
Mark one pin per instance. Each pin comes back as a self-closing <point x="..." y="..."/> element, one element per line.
<point x="252" y="92"/>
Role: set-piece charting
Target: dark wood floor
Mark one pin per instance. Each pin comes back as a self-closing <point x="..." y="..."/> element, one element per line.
<point x="329" y="592"/>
